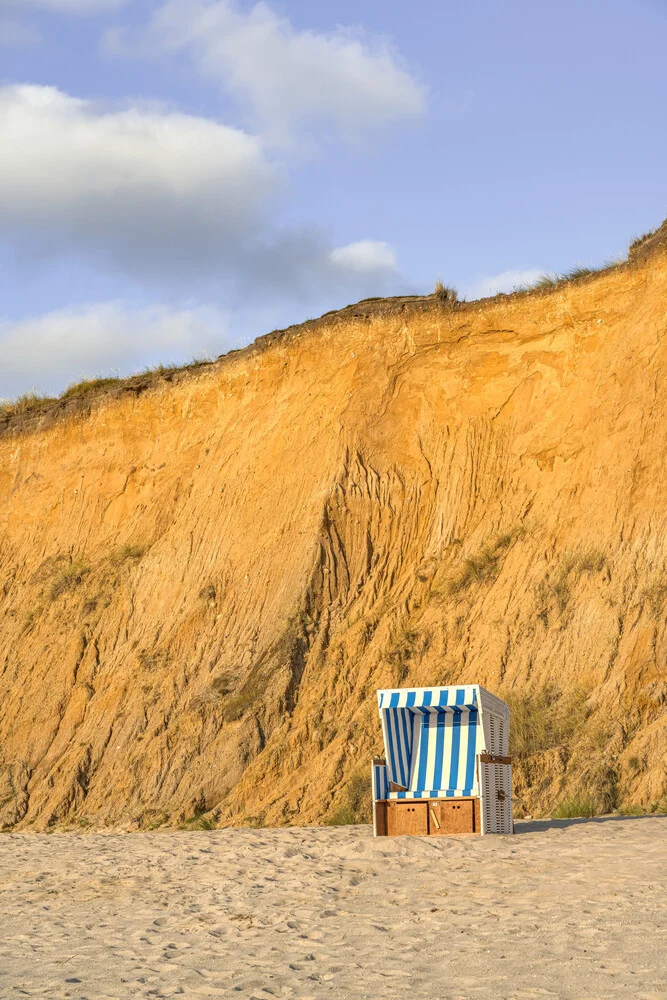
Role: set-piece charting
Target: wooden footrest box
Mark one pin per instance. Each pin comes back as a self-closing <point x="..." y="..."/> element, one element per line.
<point x="428" y="817"/>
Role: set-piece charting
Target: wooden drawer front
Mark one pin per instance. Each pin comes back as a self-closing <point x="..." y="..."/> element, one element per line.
<point x="408" y="817"/>
<point x="457" y="816"/>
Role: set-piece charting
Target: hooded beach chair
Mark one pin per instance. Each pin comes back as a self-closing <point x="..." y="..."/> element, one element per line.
<point x="446" y="768"/>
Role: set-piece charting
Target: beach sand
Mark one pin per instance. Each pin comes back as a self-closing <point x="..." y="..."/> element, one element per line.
<point x="566" y="909"/>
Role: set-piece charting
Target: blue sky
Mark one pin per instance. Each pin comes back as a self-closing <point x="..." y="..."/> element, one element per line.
<point x="178" y="177"/>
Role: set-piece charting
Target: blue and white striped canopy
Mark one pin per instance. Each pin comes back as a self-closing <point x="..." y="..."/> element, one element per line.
<point x="429" y="699"/>
<point x="431" y="737"/>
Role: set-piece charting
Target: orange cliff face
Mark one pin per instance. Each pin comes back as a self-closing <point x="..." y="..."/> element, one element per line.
<point x="203" y="584"/>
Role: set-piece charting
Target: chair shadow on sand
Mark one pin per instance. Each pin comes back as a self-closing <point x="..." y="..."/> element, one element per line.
<point x="537" y="825"/>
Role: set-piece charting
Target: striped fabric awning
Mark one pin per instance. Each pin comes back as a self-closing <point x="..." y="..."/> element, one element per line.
<point x="431" y="739"/>
<point x="429" y="699"/>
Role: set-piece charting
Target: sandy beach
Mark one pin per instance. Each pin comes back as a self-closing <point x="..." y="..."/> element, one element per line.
<point x="566" y="909"/>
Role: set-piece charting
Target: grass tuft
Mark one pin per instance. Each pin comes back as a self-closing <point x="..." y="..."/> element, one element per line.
<point x="407" y="644"/>
<point x="485" y="566"/>
<point x="555" y="278"/>
<point x="67" y="578"/>
<point x="445" y="293"/>
<point x="655" y="595"/>
<point x="638" y="240"/>
<point x="198" y="823"/>
<point x="208" y="594"/>
<point x="127" y="552"/>
<point x="575" y="807"/>
<point x="555" y="591"/>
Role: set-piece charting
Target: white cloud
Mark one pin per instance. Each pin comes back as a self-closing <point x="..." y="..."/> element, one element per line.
<point x="291" y="80"/>
<point x="15" y="34"/>
<point x="365" y="257"/>
<point x="146" y="189"/>
<point x="506" y="281"/>
<point x="162" y="196"/>
<point x="69" y="6"/>
<point x="47" y="352"/>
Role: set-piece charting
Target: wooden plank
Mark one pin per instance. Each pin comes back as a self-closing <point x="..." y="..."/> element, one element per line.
<point x="452" y="816"/>
<point x="490" y="758"/>
<point x="407" y="818"/>
<point x="381" y="818"/>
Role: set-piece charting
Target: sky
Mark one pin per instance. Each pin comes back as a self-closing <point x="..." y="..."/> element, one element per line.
<point x="178" y="177"/>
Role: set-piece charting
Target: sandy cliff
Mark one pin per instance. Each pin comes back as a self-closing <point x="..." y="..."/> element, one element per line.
<point x="203" y="583"/>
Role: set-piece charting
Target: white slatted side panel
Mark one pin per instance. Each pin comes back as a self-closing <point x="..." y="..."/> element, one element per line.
<point x="496" y="783"/>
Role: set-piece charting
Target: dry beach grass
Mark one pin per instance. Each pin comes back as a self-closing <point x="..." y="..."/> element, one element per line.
<point x="565" y="909"/>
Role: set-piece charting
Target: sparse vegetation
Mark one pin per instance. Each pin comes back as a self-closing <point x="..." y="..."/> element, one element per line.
<point x="254" y="822"/>
<point x="575" y="807"/>
<point x="355" y="803"/>
<point x="169" y="369"/>
<point x="222" y="685"/>
<point x="552" y="280"/>
<point x="87" y="385"/>
<point x="67" y="578"/>
<point x="638" y="240"/>
<point x="544" y="720"/>
<point x="153" y="820"/>
<point x="444" y="293"/>
<point x="26" y="403"/>
<point x="33" y="401"/>
<point x="249" y="694"/>
<point x="197" y="822"/>
<point x="288" y="651"/>
<point x="660" y="807"/>
<point x="208" y="594"/>
<point x="407" y="644"/>
<point x="555" y="591"/>
<point x="155" y="659"/>
<point x="127" y="552"/>
<point x="29" y="622"/>
<point x="590" y="561"/>
<point x="655" y="595"/>
<point x="631" y="810"/>
<point x="550" y="728"/>
<point x="483" y="567"/>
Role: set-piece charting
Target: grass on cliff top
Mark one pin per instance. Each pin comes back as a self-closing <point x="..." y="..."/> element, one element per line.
<point x="638" y="240"/>
<point x="445" y="293"/>
<point x="27" y="403"/>
<point x="86" y="385"/>
<point x="557" y="278"/>
<point x="32" y="401"/>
